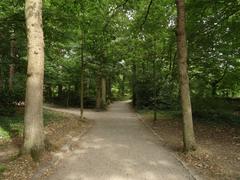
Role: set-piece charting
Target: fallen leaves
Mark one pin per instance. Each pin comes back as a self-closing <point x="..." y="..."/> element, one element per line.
<point x="56" y="132"/>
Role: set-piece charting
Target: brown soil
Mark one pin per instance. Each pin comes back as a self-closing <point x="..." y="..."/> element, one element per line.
<point x="218" y="153"/>
<point x="57" y="134"/>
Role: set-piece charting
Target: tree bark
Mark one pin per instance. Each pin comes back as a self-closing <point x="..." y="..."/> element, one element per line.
<point x="188" y="132"/>
<point x="134" y="79"/>
<point x="60" y="92"/>
<point x="1" y="78"/>
<point x="33" y="119"/>
<point x="82" y="81"/>
<point x="98" y="94"/>
<point x="123" y="85"/>
<point x="154" y="92"/>
<point x="214" y="89"/>
<point x="103" y="92"/>
<point x="11" y="76"/>
<point x="13" y="55"/>
<point x="109" y="90"/>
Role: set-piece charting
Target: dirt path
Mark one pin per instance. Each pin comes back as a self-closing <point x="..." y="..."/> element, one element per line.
<point x="119" y="147"/>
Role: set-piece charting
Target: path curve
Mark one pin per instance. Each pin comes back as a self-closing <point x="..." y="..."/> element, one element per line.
<point x="119" y="147"/>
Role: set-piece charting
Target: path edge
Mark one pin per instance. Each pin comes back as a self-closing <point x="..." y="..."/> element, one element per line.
<point x="55" y="161"/>
<point x="190" y="170"/>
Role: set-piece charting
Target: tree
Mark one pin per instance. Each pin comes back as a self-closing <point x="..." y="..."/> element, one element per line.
<point x="33" y="119"/>
<point x="188" y="132"/>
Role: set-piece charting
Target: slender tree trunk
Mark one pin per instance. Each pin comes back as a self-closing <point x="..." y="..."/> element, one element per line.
<point x="33" y="119"/>
<point x="11" y="76"/>
<point x="134" y="79"/>
<point x="155" y="91"/>
<point x="103" y="92"/>
<point x="188" y="132"/>
<point x="214" y="89"/>
<point x="68" y="95"/>
<point x="123" y="85"/>
<point x="109" y="90"/>
<point x="1" y="78"/>
<point x="60" y="92"/>
<point x="49" y="92"/>
<point x="98" y="94"/>
<point x="13" y="55"/>
<point x="82" y="80"/>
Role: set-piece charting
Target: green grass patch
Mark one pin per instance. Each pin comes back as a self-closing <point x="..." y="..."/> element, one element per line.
<point x="2" y="168"/>
<point x="11" y="126"/>
<point x="51" y="116"/>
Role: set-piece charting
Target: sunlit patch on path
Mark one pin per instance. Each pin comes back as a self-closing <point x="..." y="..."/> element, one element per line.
<point x="119" y="147"/>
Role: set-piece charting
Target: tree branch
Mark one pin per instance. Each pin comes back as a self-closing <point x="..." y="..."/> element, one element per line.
<point x="147" y="13"/>
<point x="113" y="13"/>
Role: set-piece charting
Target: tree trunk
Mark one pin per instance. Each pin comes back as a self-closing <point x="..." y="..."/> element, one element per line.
<point x="188" y="132"/>
<point x="123" y="85"/>
<point x="103" y="92"/>
<point x="1" y="78"/>
<point x="134" y="79"/>
<point x="13" y="55"/>
<point x="109" y="90"/>
<point x="33" y="119"/>
<point x="98" y="94"/>
<point x="82" y="81"/>
<point x="155" y="92"/>
<point x="11" y="76"/>
<point x="68" y="95"/>
<point x="214" y="89"/>
<point x="49" y="93"/>
<point x="60" y="92"/>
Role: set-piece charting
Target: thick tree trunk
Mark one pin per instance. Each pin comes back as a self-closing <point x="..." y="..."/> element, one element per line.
<point x="188" y="132"/>
<point x="33" y="119"/>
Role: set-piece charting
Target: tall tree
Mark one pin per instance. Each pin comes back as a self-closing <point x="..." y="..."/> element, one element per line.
<point x="82" y="80"/>
<point x="33" y="119"/>
<point x="188" y="132"/>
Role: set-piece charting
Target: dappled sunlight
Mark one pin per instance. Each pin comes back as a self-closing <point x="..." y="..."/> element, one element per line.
<point x="121" y="150"/>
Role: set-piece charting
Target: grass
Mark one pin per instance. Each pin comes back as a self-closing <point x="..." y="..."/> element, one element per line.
<point x="2" y="168"/>
<point x="12" y="126"/>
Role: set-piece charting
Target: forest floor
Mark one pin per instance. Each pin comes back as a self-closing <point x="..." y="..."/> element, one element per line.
<point x="218" y="154"/>
<point x="59" y="129"/>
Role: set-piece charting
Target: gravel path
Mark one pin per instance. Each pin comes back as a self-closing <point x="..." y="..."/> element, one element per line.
<point x="119" y="147"/>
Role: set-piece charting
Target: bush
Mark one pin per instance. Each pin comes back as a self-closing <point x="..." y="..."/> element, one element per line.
<point x="7" y="106"/>
<point x="216" y="109"/>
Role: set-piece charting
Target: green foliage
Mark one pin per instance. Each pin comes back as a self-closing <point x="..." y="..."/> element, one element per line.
<point x="217" y="110"/>
<point x="116" y="37"/>
<point x="7" y="106"/>
<point x="12" y="126"/>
